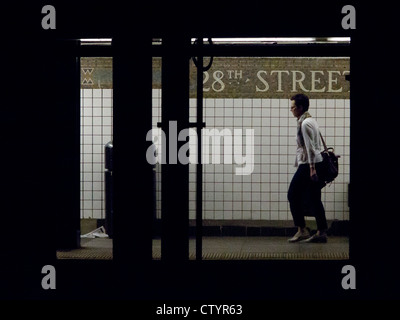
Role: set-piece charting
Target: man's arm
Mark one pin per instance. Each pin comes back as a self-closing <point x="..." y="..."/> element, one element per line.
<point x="307" y="131"/>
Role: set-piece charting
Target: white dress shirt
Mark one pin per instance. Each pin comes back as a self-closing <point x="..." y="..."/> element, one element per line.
<point x="310" y="150"/>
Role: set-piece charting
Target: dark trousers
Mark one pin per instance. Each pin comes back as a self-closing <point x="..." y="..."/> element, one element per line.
<point x="304" y="198"/>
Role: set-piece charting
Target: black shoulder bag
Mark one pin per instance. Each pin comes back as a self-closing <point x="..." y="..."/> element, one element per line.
<point x="330" y="164"/>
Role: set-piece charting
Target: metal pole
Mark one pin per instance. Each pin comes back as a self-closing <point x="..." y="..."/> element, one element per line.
<point x="199" y="167"/>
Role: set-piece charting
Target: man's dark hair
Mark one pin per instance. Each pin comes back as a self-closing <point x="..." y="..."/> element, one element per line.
<point x="301" y="100"/>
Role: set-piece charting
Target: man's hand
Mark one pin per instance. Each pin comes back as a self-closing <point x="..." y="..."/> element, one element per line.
<point x="313" y="174"/>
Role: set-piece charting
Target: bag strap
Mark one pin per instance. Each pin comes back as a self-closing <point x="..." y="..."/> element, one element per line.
<point x="323" y="141"/>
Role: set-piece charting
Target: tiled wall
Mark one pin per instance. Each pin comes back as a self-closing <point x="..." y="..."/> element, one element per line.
<point x="263" y="194"/>
<point x="259" y="196"/>
<point x="96" y="131"/>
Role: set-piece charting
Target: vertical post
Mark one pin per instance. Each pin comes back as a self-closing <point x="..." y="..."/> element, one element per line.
<point x="67" y="103"/>
<point x="175" y="175"/>
<point x="132" y="174"/>
<point x="199" y="167"/>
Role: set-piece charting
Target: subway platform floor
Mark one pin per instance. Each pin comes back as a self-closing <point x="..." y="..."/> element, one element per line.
<point x="228" y="248"/>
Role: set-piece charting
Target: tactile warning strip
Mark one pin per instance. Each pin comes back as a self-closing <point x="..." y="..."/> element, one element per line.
<point x="268" y="256"/>
<point x="86" y="254"/>
<point x="101" y="254"/>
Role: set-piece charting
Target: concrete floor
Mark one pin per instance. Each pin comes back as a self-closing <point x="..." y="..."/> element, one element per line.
<point x="229" y="248"/>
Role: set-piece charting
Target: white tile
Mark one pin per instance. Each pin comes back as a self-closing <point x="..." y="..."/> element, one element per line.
<point x="237" y="112"/>
<point x="210" y="123"/>
<point x="221" y="103"/>
<point x="96" y="129"/>
<point x="228" y="196"/>
<point x="246" y="215"/>
<point x="330" y="103"/>
<point x="98" y="214"/>
<point x="284" y="103"/>
<point x="275" y="148"/>
<point x="98" y="149"/>
<point x="339" y="122"/>
<point x="274" y="131"/>
<point x="247" y="187"/>
<point x="248" y="122"/>
<point x="247" y="103"/>
<point x="275" y="113"/>
<point x="107" y="131"/>
<point x="330" y="132"/>
<point x="255" y="206"/>
<point x="237" y="215"/>
<point x="209" y="103"/>
<point x="265" y="112"/>
<point x="219" y="215"/>
<point x="86" y="112"/>
<point x="255" y="215"/>
<point x="228" y="187"/>
<point x="219" y="122"/>
<point x="208" y="205"/>
<point x="283" y="215"/>
<point x="265" y="215"/>
<point x="98" y="177"/>
<point x="320" y="103"/>
<point x="87" y="121"/>
<point x="219" y="112"/>
<point x="97" y="140"/>
<point x="238" y="103"/>
<point x="237" y="205"/>
<point x="98" y="195"/>
<point x="339" y="103"/>
<point x="319" y="113"/>
<point x="274" y="215"/>
<point x="87" y="195"/>
<point x="156" y="103"/>
<point x="274" y="103"/>
<point x="256" y="112"/>
<point x="107" y="121"/>
<point x="256" y="122"/>
<point x="97" y="102"/>
<point x="86" y="204"/>
<point x="96" y="93"/>
<point x="228" y="112"/>
<point x="218" y="205"/>
<point x="209" y="112"/>
<point x="107" y="102"/>
<point x="88" y="149"/>
<point x="228" y="215"/>
<point x="284" y="122"/>
<point x="274" y="169"/>
<point x="329" y="206"/>
<point x="265" y="198"/>
<point x="283" y="131"/>
<point x="347" y="113"/>
<point x="246" y="196"/>
<point x="339" y="112"/>
<point x="107" y="93"/>
<point x="87" y="93"/>
<point x="330" y="113"/>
